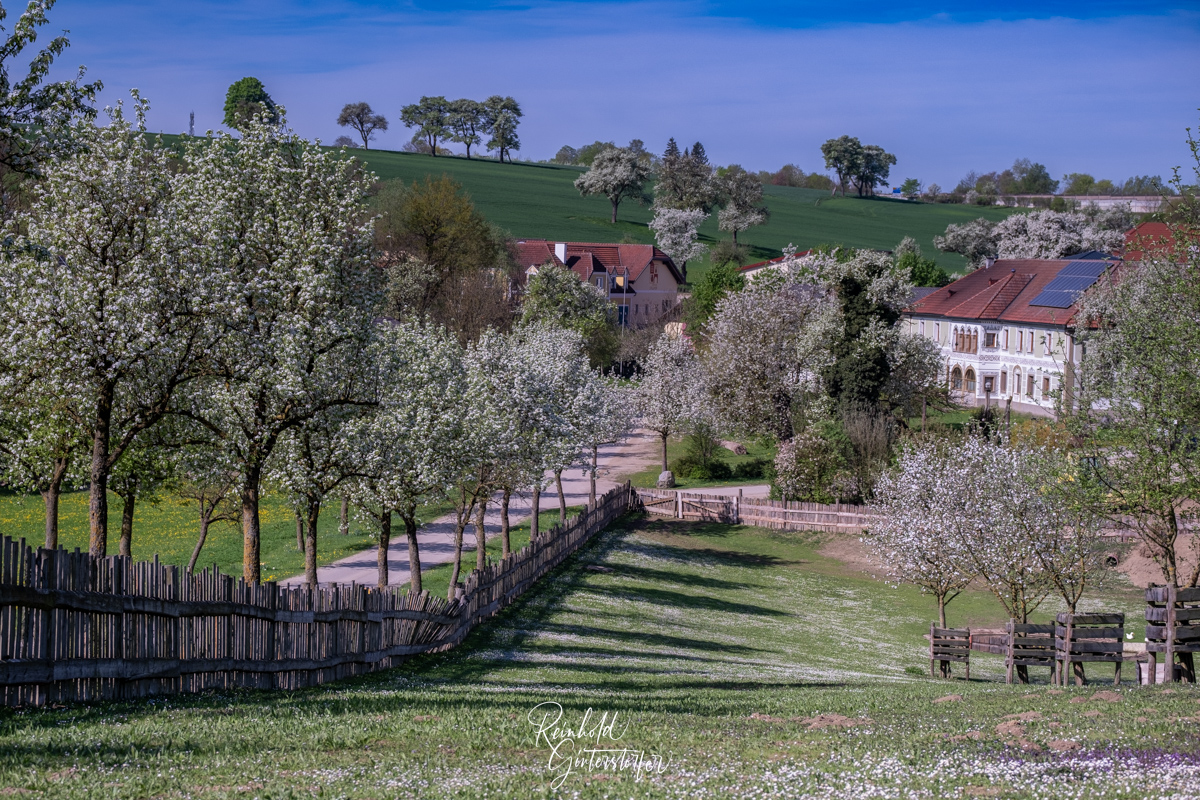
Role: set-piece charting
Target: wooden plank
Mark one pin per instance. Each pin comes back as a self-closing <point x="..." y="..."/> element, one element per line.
<point x="1182" y="632"/>
<point x="951" y="633"/>
<point x="1090" y="647"/>
<point x="1092" y="619"/>
<point x="1027" y="628"/>
<point x="1092" y="633"/>
<point x="1181" y="614"/>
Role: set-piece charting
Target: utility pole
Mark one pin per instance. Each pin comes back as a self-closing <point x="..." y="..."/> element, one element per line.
<point x="192" y="124"/>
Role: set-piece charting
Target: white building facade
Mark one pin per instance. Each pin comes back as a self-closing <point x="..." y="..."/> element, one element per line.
<point x="1001" y="342"/>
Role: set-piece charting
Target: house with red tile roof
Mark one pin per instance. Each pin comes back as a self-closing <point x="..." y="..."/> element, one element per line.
<point x="1007" y="330"/>
<point x="641" y="280"/>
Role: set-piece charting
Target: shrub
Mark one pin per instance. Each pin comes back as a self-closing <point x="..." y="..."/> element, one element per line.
<point x="693" y="469"/>
<point x="812" y="467"/>
<point x="755" y="469"/>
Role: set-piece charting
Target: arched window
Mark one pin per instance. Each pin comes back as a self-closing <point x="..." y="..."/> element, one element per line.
<point x="970" y="379"/>
<point x="956" y="380"/>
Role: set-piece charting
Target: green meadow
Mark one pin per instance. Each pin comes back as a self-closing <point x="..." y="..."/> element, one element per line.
<point x="539" y="201"/>
<point x="664" y="660"/>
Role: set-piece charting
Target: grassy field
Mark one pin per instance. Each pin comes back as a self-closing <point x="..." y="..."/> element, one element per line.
<point x="169" y="529"/>
<point x="727" y="662"/>
<point x="539" y="201"/>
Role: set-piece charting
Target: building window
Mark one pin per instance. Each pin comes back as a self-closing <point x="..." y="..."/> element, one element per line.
<point x="989" y="384"/>
<point x="970" y="379"/>
<point x="1045" y="387"/>
<point x="623" y="315"/>
<point x="956" y="380"/>
<point x="1003" y="382"/>
<point x="1005" y="341"/>
<point x="1029" y="387"/>
<point x="654" y="273"/>
<point x="989" y="340"/>
<point x="921" y="327"/>
<point x="1030" y="347"/>
<point x="1046" y="345"/>
<point x="1017" y="382"/>
<point x="937" y="331"/>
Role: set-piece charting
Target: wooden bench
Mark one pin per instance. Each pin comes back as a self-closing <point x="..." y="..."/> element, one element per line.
<point x="949" y="644"/>
<point x="1088" y="637"/>
<point x="1173" y="629"/>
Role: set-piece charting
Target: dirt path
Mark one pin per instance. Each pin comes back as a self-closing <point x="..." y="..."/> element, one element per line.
<point x="436" y="539"/>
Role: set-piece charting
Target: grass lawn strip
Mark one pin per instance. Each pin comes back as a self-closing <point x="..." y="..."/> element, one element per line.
<point x="754" y="665"/>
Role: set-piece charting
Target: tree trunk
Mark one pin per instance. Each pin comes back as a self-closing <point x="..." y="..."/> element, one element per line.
<point x="204" y="522"/>
<point x="299" y="529"/>
<point x="942" y="610"/>
<point x="98" y="489"/>
<point x="462" y="517"/>
<point x="344" y="516"/>
<point x="313" y="514"/>
<point x="381" y="555"/>
<point x="562" y="498"/>
<point x="125" y="548"/>
<point x="922" y="415"/>
<point x="481" y="534"/>
<point x="251" y="569"/>
<point x="414" y="552"/>
<point x="615" y="203"/>
<point x="592" y="488"/>
<point x="536" y="509"/>
<point x="735" y="237"/>
<point x="506" y="547"/>
<point x="50" y="498"/>
<point x="664" y="451"/>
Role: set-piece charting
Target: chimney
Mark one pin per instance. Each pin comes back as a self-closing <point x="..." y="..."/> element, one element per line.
<point x="987" y="263"/>
<point x="560" y="251"/>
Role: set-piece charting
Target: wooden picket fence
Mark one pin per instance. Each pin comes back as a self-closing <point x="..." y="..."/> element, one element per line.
<point x="73" y="627"/>
<point x="775" y="514"/>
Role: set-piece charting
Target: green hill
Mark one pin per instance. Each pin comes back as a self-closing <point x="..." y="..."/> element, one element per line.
<point x="539" y="201"/>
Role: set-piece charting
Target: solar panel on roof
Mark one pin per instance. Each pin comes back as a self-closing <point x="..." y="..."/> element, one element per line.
<point x="1070" y="282"/>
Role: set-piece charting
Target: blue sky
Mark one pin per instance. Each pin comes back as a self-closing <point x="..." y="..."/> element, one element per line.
<point x="1102" y="87"/>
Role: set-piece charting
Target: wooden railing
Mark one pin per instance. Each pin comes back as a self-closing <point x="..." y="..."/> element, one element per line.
<point x="74" y="627"/>
<point x="776" y="514"/>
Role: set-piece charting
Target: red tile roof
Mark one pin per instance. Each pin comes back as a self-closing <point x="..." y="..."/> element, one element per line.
<point x="1156" y="238"/>
<point x="586" y="258"/>
<point x="1002" y="292"/>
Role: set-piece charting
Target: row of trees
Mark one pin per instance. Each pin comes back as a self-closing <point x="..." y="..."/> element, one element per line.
<point x="465" y="121"/>
<point x="209" y="316"/>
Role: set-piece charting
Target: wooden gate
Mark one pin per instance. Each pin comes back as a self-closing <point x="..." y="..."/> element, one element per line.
<point x="707" y="508"/>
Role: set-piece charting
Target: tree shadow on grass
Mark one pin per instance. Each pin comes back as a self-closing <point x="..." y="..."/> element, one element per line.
<point x="651" y="575"/>
<point x="666" y="597"/>
<point x="642" y="638"/>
